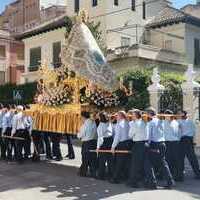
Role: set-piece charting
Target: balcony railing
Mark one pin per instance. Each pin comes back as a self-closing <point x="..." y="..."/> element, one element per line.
<point x="33" y="68"/>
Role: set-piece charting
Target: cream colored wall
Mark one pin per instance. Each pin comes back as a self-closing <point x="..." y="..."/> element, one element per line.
<point x="178" y="45"/>
<point x="45" y="41"/>
<point x="192" y="32"/>
<point x="118" y="19"/>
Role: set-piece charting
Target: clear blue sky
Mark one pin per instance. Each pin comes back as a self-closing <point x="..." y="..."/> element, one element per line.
<point x="177" y="3"/>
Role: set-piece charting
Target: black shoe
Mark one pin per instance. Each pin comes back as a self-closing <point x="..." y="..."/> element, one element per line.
<point x="170" y="185"/>
<point x="114" y="181"/>
<point x="133" y="185"/>
<point x="58" y="159"/>
<point x="49" y="157"/>
<point x="197" y="177"/>
<point x="67" y="156"/>
<point x="71" y="157"/>
<point x="151" y="186"/>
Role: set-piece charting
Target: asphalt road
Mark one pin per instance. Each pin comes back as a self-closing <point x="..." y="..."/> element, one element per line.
<point x="59" y="180"/>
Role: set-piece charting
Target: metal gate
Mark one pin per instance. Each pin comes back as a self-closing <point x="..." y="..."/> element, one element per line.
<point x="172" y="100"/>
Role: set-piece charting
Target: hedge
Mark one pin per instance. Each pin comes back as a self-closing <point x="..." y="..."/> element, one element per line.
<point x="27" y="90"/>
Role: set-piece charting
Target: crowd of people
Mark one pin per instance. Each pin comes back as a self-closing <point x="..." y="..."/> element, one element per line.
<point x="18" y="142"/>
<point x="138" y="148"/>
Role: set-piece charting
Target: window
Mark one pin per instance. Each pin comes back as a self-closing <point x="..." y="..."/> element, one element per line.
<point x="2" y="51"/>
<point x="196" y="51"/>
<point x="94" y="3"/>
<point x="35" y="58"/>
<point x="76" y="6"/>
<point x="144" y="10"/>
<point x="133" y="5"/>
<point x="2" y="78"/>
<point x="125" y="41"/>
<point x="116" y="2"/>
<point x="168" y="44"/>
<point x="56" y="54"/>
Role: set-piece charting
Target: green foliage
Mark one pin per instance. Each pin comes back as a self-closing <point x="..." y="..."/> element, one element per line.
<point x="140" y="80"/>
<point x="171" y="98"/>
<point x="28" y="91"/>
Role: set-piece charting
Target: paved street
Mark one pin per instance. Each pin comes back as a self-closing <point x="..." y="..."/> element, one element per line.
<point x="58" y="180"/>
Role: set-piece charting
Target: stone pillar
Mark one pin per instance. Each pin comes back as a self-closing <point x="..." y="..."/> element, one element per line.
<point x="155" y="90"/>
<point x="190" y="90"/>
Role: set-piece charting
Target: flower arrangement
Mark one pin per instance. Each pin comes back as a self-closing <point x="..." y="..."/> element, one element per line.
<point x="101" y="98"/>
<point x="57" y="96"/>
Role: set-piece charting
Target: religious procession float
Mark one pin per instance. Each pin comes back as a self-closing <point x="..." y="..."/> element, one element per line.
<point x="84" y="82"/>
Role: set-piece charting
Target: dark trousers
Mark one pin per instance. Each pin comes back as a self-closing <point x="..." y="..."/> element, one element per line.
<point x="9" y="144"/>
<point x="173" y="158"/>
<point x="187" y="150"/>
<point x="71" y="153"/>
<point x="89" y="159"/>
<point x="36" y="137"/>
<point x="139" y="154"/>
<point x="157" y="156"/>
<point x="56" y="138"/>
<point x="121" y="161"/>
<point x="47" y="141"/>
<point x="20" y="144"/>
<point x="2" y="146"/>
<point x="27" y="144"/>
<point x="105" y="159"/>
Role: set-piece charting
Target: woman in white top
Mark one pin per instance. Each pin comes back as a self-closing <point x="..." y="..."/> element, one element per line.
<point x="104" y="142"/>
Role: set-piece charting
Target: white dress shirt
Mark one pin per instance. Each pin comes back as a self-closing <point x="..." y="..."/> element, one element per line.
<point x="7" y="121"/>
<point x="18" y="122"/>
<point x="121" y="132"/>
<point x="1" y="118"/>
<point x="172" y="130"/>
<point x="28" y="123"/>
<point x="138" y="131"/>
<point x="104" y="130"/>
<point x="187" y="127"/>
<point x="88" y="131"/>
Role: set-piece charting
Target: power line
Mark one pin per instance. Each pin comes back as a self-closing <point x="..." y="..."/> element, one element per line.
<point x="124" y="9"/>
<point x="136" y="26"/>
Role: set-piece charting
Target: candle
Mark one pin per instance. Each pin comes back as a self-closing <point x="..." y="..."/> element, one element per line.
<point x="130" y="86"/>
<point x="121" y="82"/>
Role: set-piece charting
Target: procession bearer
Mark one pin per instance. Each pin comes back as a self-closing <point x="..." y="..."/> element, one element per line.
<point x="188" y="131"/>
<point x="6" y="131"/>
<point x="88" y="136"/>
<point x="122" y="142"/>
<point x="2" y="146"/>
<point x="139" y="135"/>
<point x="157" y="147"/>
<point x="104" y="142"/>
<point x="172" y="141"/>
<point x="18" y="130"/>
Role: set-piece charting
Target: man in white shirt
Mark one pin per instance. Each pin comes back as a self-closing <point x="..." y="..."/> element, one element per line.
<point x="121" y="141"/>
<point x="6" y="131"/>
<point x="88" y="136"/>
<point x="188" y="131"/>
<point x="104" y="142"/>
<point x="139" y="136"/>
<point x="2" y="145"/>
<point x="18" y="130"/>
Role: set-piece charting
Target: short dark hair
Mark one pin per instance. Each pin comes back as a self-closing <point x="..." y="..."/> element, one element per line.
<point x="184" y="113"/>
<point x="103" y="117"/>
<point x="85" y="114"/>
<point x="169" y="112"/>
<point x="151" y="111"/>
<point x="137" y="112"/>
